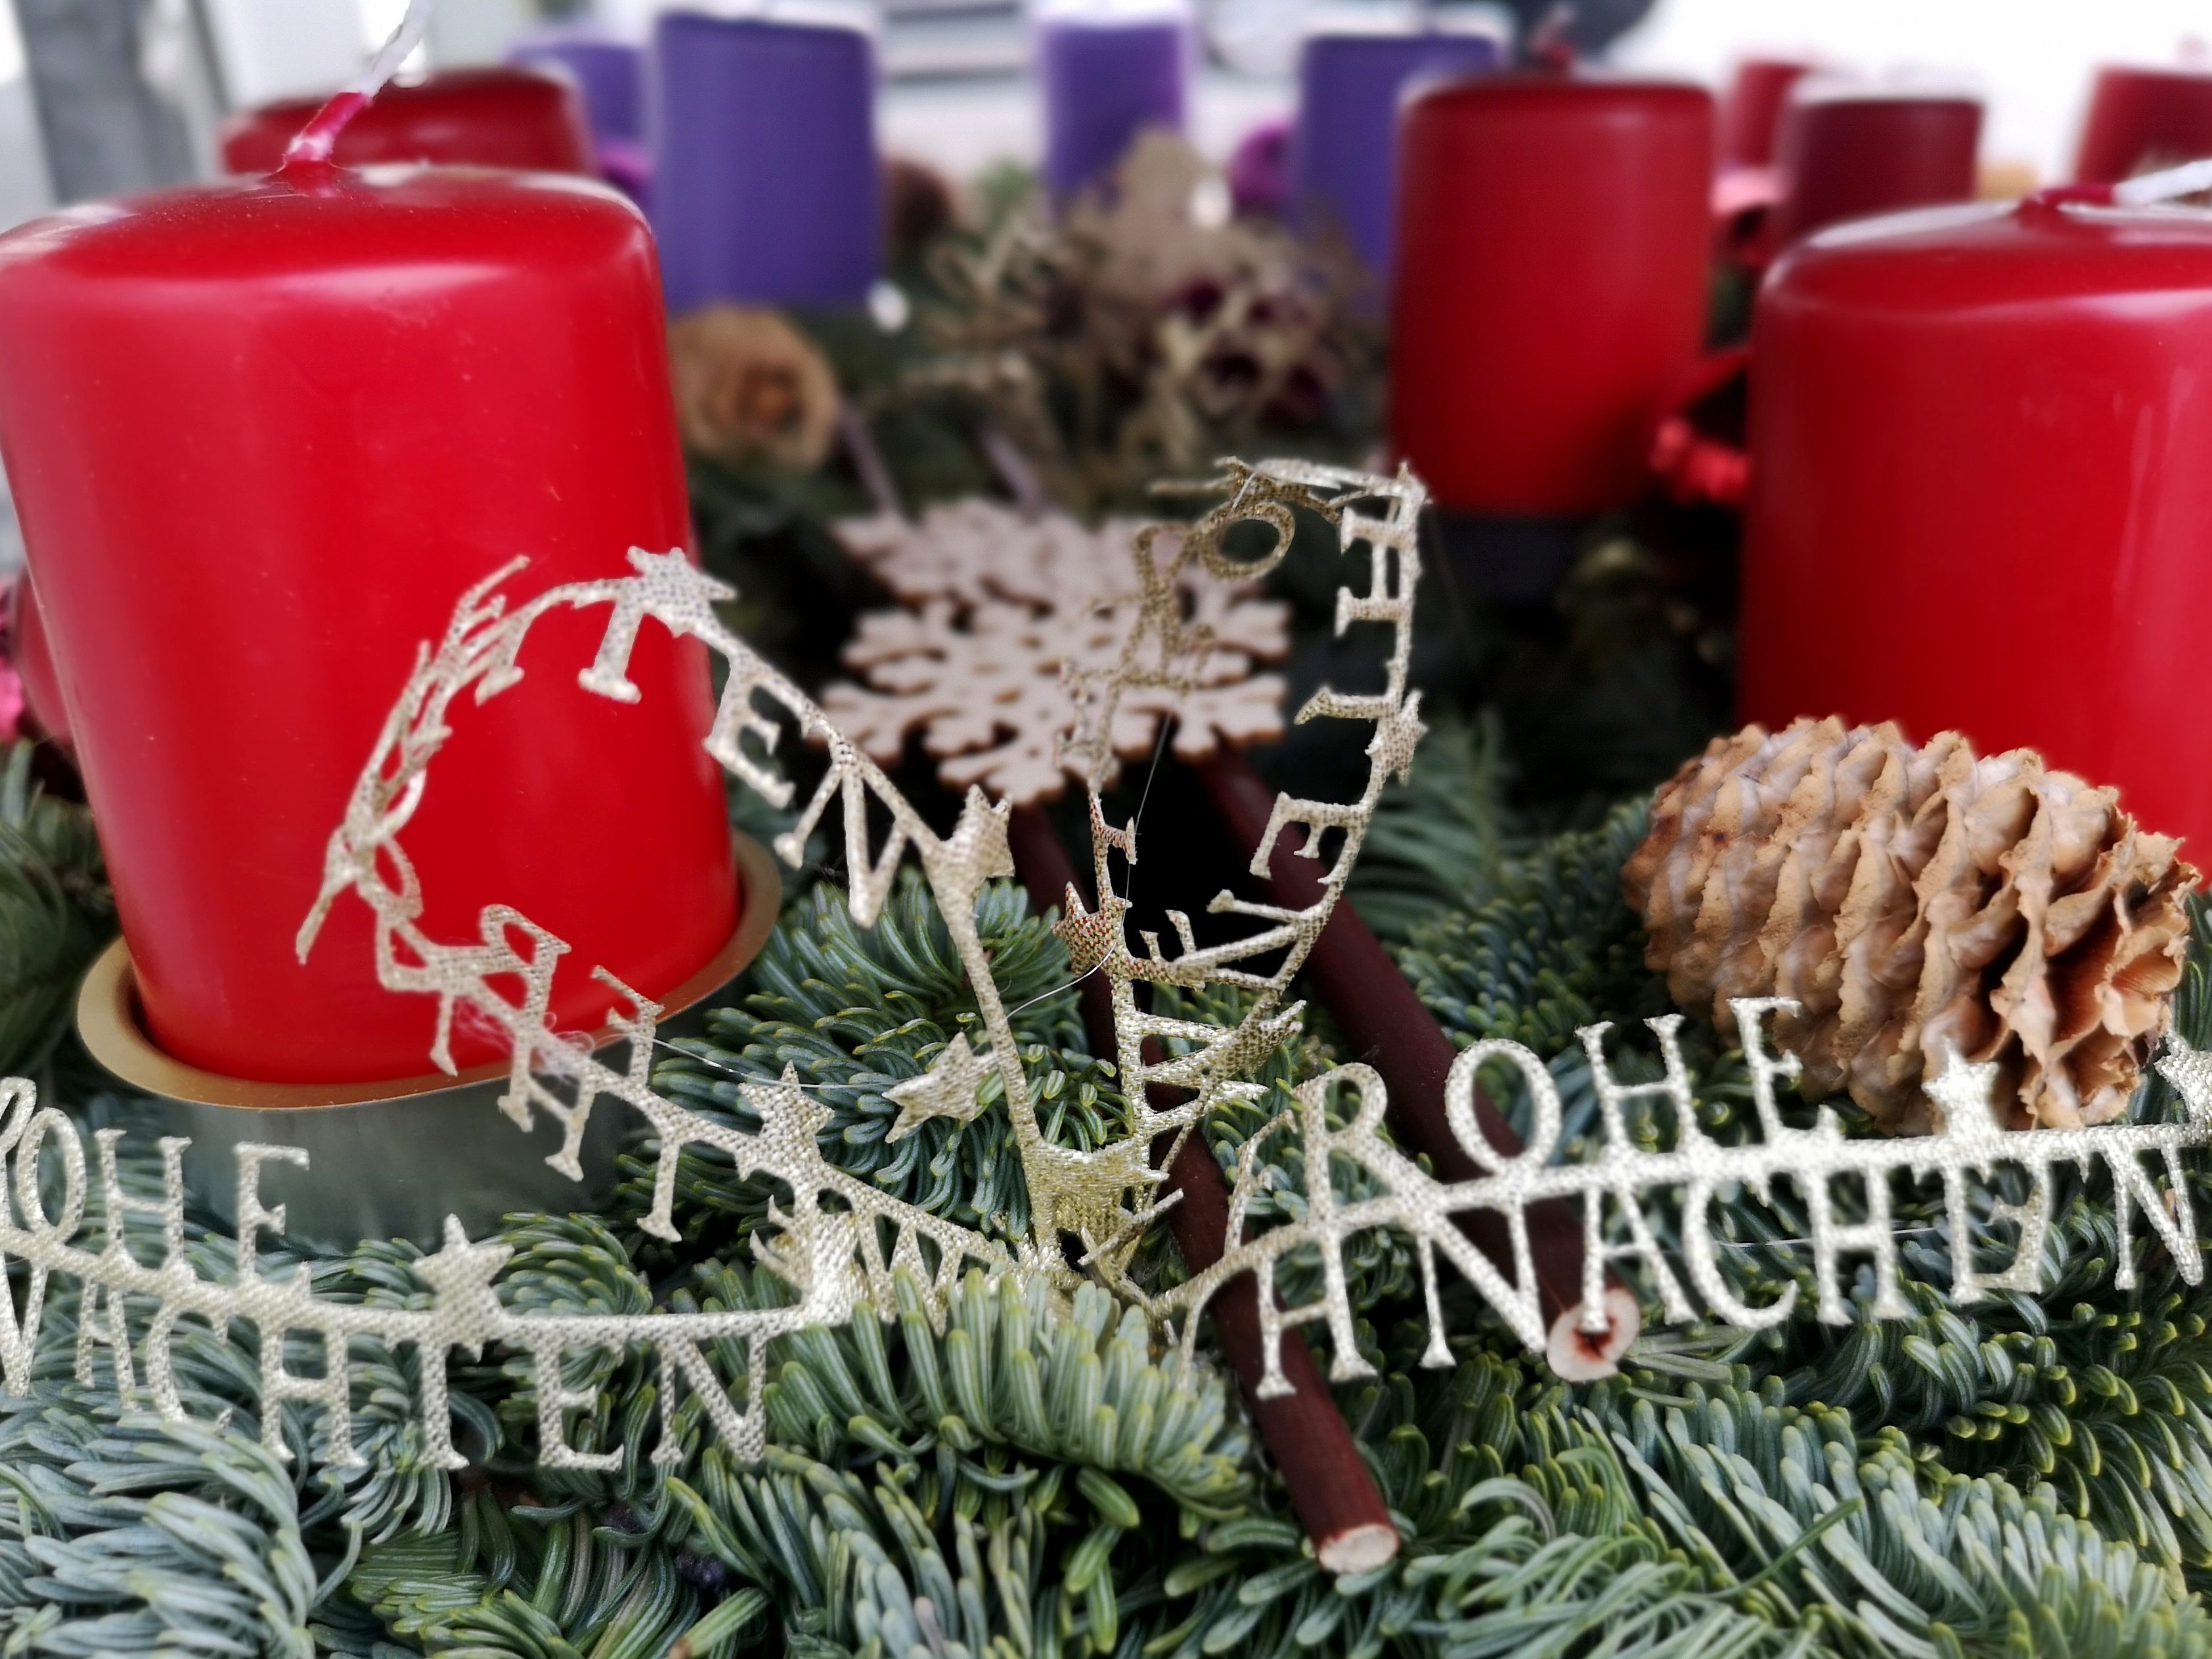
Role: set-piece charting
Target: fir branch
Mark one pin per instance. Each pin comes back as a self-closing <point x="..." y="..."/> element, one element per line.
<point x="1929" y="1564"/>
<point x="1443" y="838"/>
<point x="1554" y="946"/>
<point x="1379" y="1265"/>
<point x="397" y="1488"/>
<point x="56" y="912"/>
<point x="859" y="1010"/>
<point x="539" y="1584"/>
<point x="1524" y="1535"/>
<point x="2099" y="1401"/>
<point x="1031" y="1480"/>
<point x="1552" y="949"/>
<point x="2100" y="1397"/>
<point x="124" y="1535"/>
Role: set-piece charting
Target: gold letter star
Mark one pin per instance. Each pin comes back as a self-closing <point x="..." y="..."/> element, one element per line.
<point x="1966" y="1093"/>
<point x="952" y="1088"/>
<point x="2189" y="1070"/>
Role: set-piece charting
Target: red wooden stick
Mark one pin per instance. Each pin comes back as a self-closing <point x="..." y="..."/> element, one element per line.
<point x="1392" y="1031"/>
<point x="1329" y="1483"/>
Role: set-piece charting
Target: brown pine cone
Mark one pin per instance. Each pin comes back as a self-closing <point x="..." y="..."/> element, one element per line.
<point x="1918" y="902"/>
<point x="751" y="386"/>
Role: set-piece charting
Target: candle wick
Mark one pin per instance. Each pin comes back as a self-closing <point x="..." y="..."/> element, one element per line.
<point x="314" y="143"/>
<point x="2187" y="180"/>
<point x="1550" y="47"/>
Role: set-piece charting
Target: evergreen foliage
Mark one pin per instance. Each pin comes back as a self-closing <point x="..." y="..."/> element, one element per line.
<point x="2098" y="1402"/>
<point x="1034" y="1480"/>
<point x="1443" y="838"/>
<point x="858" y="1011"/>
<point x="56" y="912"/>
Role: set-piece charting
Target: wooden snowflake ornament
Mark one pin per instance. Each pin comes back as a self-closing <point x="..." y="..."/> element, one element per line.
<point x="1002" y="609"/>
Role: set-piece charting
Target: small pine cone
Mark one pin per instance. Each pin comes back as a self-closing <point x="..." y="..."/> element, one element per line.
<point x="1918" y="902"/>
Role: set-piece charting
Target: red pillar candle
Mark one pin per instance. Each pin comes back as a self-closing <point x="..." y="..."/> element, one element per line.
<point x="263" y="436"/>
<point x="1978" y="496"/>
<point x="491" y="118"/>
<point x="1845" y="151"/>
<point x="1752" y="113"/>
<point x="1550" y="284"/>
<point x="2142" y="120"/>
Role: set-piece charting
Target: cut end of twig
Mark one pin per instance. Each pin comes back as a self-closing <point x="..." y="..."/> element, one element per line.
<point x="1581" y="1356"/>
<point x="1357" y="1549"/>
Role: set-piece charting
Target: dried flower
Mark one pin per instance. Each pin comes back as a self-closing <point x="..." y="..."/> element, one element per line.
<point x="1143" y="330"/>
<point x="749" y="386"/>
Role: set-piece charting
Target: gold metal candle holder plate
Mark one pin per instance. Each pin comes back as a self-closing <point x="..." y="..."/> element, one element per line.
<point x="390" y="1159"/>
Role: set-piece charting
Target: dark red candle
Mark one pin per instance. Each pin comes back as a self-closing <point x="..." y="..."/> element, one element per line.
<point x="2142" y="120"/>
<point x="1751" y="115"/>
<point x="1979" y="498"/>
<point x="1551" y="269"/>
<point x="1845" y="151"/>
<point x="491" y="118"/>
<point x="263" y="436"/>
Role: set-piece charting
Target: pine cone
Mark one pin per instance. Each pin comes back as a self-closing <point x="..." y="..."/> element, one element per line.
<point x="750" y="385"/>
<point x="1918" y="902"/>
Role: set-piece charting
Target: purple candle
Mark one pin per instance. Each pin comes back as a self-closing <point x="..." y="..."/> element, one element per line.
<point x="1106" y="77"/>
<point x="609" y="72"/>
<point x="766" y="185"/>
<point x="1344" y="148"/>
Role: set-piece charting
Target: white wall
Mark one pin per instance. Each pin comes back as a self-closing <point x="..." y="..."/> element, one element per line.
<point x="477" y="31"/>
<point x="26" y="188"/>
<point x="2032" y="58"/>
<point x="270" y="49"/>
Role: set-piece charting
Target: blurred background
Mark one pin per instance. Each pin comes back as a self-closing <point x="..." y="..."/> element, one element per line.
<point x="105" y="97"/>
<point x="98" y="96"/>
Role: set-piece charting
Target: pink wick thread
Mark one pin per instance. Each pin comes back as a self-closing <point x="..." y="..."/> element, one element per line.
<point x="313" y="145"/>
<point x="320" y="136"/>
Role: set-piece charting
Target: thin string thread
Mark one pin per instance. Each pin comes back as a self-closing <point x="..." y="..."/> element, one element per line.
<point x="314" y="142"/>
<point x="2166" y="186"/>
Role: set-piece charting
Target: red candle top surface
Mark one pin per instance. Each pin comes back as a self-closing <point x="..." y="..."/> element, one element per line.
<point x="1978" y="493"/>
<point x="1553" y="247"/>
<point x="263" y="436"/>
<point x="492" y="117"/>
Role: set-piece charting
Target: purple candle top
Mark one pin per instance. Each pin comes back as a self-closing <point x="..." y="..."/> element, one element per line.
<point x="766" y="184"/>
<point x="609" y="72"/>
<point x="1106" y="77"/>
<point x="1344" y="148"/>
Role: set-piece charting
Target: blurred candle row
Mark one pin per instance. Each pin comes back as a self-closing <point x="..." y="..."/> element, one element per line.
<point x="751" y="139"/>
<point x="752" y="142"/>
<point x="1976" y="499"/>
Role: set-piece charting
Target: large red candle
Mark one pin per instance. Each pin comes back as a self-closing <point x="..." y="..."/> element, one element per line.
<point x="1979" y="498"/>
<point x="263" y="436"/>
<point x="492" y="117"/>
<point x="2142" y="120"/>
<point x="1551" y="270"/>
<point x="1845" y="151"/>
